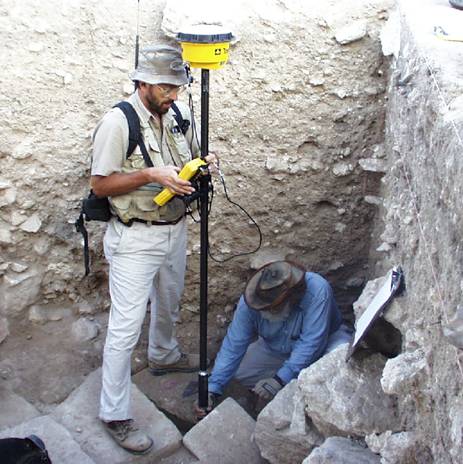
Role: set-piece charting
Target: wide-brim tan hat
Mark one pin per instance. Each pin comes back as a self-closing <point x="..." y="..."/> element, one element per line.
<point x="160" y="64"/>
<point x="272" y="284"/>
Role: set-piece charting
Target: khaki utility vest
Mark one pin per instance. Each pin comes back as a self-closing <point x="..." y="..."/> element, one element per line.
<point x="167" y="148"/>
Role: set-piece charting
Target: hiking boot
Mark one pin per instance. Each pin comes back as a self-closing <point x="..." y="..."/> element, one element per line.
<point x="128" y="436"/>
<point x="186" y="363"/>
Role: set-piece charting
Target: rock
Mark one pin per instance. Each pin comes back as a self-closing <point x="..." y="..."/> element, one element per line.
<point x="339" y="450"/>
<point x="373" y="200"/>
<point x="20" y="290"/>
<point x="384" y="247"/>
<point x="453" y="331"/>
<point x="346" y="399"/>
<point x="373" y="165"/>
<point x="401" y="375"/>
<point x="23" y="150"/>
<point x="7" y="196"/>
<point x="58" y="441"/>
<point x="85" y="308"/>
<point x="37" y="315"/>
<point x="394" y="448"/>
<point x="351" y="33"/>
<point x="175" y="393"/>
<point x="342" y="169"/>
<point x="15" y="409"/>
<point x="80" y="410"/>
<point x="18" y="267"/>
<point x="456" y="428"/>
<point x="4" y="329"/>
<point x="17" y="218"/>
<point x="6" y="236"/>
<point x="283" y="433"/>
<point x="278" y="164"/>
<point x="225" y="435"/>
<point x="84" y="330"/>
<point x="32" y="224"/>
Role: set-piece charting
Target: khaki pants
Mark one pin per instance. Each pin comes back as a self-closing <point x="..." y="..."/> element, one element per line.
<point x="145" y="263"/>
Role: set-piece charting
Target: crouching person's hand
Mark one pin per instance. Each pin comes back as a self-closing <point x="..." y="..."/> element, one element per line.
<point x="268" y="388"/>
<point x="212" y="402"/>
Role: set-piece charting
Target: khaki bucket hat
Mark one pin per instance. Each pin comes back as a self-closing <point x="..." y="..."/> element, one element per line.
<point x="272" y="284"/>
<point x="160" y="64"/>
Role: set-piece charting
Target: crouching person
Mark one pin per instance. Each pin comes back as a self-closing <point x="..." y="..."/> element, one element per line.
<point x="286" y="320"/>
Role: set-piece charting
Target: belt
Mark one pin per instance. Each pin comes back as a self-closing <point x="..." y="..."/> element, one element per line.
<point x="149" y="223"/>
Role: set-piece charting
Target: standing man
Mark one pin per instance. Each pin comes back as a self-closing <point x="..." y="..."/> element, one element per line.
<point x="145" y="245"/>
<point x="295" y="319"/>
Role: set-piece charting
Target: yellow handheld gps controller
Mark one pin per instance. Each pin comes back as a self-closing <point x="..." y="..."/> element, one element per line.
<point x="188" y="171"/>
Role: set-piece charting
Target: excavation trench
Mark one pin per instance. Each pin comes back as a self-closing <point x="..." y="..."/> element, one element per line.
<point x="345" y="150"/>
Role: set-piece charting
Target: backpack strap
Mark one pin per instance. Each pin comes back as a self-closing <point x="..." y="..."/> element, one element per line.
<point x="184" y="124"/>
<point x="135" y="137"/>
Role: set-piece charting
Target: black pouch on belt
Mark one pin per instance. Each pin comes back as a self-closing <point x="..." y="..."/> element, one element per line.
<point x="96" y="208"/>
<point x="93" y="209"/>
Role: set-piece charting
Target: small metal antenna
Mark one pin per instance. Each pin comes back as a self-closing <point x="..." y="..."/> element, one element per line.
<point x="137" y="41"/>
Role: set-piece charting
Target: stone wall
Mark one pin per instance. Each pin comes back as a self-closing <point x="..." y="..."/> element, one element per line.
<point x="297" y="119"/>
<point x="423" y="222"/>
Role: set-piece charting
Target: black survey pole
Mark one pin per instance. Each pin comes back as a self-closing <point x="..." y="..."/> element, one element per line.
<point x="204" y="243"/>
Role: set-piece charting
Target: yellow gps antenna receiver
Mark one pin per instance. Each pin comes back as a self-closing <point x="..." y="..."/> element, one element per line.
<point x="204" y="46"/>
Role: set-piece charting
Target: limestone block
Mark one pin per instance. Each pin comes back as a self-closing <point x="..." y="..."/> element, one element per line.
<point x="402" y="373"/>
<point x="170" y="392"/>
<point x="453" y="331"/>
<point x="373" y="165"/>
<point x="7" y="196"/>
<point x="60" y="445"/>
<point x="402" y="447"/>
<point x="20" y="290"/>
<point x="84" y="330"/>
<point x="4" y="329"/>
<point x="79" y="414"/>
<point x="32" y="224"/>
<point x="373" y="200"/>
<point x="224" y="436"/>
<point x="342" y="169"/>
<point x="283" y="434"/>
<point x="456" y="428"/>
<point x="37" y="315"/>
<point x="338" y="450"/>
<point x="6" y="237"/>
<point x="14" y="409"/>
<point x="351" y="32"/>
<point x="346" y="398"/>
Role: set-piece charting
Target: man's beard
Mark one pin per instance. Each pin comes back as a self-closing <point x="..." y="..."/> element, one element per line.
<point x="162" y="108"/>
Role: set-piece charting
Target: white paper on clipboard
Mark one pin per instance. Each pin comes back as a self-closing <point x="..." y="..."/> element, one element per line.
<point x="394" y="283"/>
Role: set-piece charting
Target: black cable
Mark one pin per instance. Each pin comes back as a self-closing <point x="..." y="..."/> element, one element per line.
<point x="211" y="189"/>
<point x="249" y="216"/>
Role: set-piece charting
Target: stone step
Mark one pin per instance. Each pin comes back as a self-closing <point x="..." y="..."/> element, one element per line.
<point x="61" y="446"/>
<point x="79" y="414"/>
<point x="14" y="409"/>
<point x="224" y="436"/>
<point x="174" y="393"/>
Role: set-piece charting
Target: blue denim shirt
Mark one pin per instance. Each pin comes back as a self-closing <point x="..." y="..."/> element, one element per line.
<point x="303" y="335"/>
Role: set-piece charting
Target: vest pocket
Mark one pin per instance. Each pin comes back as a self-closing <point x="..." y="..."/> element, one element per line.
<point x="136" y="160"/>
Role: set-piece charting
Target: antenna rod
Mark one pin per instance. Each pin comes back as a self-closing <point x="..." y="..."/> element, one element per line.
<point x="137" y="40"/>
